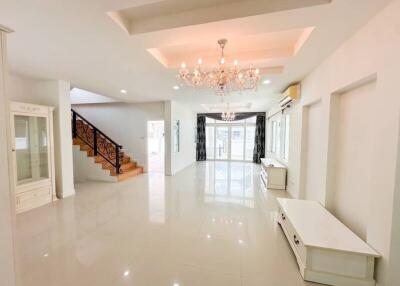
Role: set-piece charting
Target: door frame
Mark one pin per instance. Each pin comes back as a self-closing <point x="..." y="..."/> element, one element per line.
<point x="147" y="143"/>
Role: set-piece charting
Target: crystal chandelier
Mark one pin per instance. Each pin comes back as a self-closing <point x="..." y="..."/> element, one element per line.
<point x="228" y="115"/>
<point x="224" y="78"/>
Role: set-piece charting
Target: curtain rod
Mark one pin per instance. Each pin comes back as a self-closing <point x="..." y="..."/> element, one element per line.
<point x="252" y="113"/>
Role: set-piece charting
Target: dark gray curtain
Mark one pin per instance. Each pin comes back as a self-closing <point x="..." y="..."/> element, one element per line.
<point x="259" y="142"/>
<point x="201" y="138"/>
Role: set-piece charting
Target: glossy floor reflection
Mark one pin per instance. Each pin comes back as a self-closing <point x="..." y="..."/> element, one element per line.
<point x="207" y="225"/>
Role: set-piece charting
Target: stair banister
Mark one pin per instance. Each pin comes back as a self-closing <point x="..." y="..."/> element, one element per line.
<point x="108" y="149"/>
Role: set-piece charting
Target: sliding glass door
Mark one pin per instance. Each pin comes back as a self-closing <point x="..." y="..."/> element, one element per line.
<point x="237" y="143"/>
<point x="230" y="140"/>
<point x="222" y="142"/>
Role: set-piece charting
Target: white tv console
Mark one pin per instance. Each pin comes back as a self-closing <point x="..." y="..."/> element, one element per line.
<point x="327" y="251"/>
<point x="273" y="174"/>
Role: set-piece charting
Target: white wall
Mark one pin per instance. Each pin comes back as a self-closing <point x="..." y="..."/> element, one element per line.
<point x="125" y="123"/>
<point x="7" y="210"/>
<point x="372" y="53"/>
<point x="52" y="93"/>
<point x="175" y="162"/>
<point x="394" y="260"/>
<point x="81" y="96"/>
<point x="353" y="168"/>
<point x="313" y="184"/>
<point x="86" y="169"/>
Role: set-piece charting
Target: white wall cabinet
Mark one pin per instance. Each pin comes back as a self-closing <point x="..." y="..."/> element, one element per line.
<point x="326" y="250"/>
<point x="33" y="155"/>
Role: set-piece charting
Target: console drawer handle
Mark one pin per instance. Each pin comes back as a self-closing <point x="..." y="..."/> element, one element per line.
<point x="283" y="217"/>
<point x="296" y="241"/>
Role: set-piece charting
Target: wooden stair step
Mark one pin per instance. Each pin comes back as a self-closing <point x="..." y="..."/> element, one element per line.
<point x="130" y="173"/>
<point x="127" y="166"/>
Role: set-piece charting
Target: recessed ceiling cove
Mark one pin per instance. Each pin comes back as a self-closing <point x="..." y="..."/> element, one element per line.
<point x="267" y="51"/>
<point x="150" y="16"/>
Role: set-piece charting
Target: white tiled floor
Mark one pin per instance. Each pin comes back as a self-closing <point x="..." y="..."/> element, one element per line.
<point x="207" y="225"/>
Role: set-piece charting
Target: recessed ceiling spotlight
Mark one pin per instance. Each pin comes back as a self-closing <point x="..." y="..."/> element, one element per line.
<point x="176" y="87"/>
<point x="124" y="91"/>
<point x="126" y="273"/>
<point x="46" y="255"/>
<point x="267" y="81"/>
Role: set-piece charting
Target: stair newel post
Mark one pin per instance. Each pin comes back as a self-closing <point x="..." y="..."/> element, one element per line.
<point x="117" y="164"/>
<point x="74" y="131"/>
<point x="95" y="141"/>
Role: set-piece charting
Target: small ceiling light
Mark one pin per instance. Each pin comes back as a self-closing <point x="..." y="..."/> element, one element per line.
<point x="183" y="65"/>
<point x="176" y="284"/>
<point x="240" y="241"/>
<point x="176" y="87"/>
<point x="236" y="62"/>
<point x="267" y="81"/>
<point x="126" y="273"/>
<point x="124" y="91"/>
<point x="199" y="61"/>
<point x="208" y="236"/>
<point x="46" y="255"/>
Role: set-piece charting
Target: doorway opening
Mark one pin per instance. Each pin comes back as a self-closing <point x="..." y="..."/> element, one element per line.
<point x="155" y="146"/>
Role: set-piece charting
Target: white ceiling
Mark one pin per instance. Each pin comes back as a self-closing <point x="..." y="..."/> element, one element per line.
<point x="77" y="41"/>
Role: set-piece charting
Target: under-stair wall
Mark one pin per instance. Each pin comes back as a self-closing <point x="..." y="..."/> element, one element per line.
<point x="85" y="168"/>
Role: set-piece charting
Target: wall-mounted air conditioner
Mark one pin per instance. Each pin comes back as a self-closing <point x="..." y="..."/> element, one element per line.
<point x="290" y="94"/>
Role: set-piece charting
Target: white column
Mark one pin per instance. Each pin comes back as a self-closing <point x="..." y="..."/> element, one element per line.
<point x="168" y="137"/>
<point x="7" y="209"/>
<point x="63" y="142"/>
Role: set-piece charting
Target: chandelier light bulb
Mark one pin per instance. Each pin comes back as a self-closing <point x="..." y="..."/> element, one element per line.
<point x="236" y="62"/>
<point x="199" y="61"/>
<point x="240" y="76"/>
<point x="257" y="71"/>
<point x="183" y="65"/>
<point x="222" y="61"/>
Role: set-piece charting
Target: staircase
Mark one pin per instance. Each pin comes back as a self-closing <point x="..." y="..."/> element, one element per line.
<point x="103" y="149"/>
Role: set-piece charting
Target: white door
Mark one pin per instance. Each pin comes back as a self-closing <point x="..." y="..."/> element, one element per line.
<point x="155" y="146"/>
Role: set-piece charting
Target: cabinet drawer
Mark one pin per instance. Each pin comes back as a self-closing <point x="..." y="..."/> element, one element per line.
<point x="293" y="238"/>
<point x="32" y="199"/>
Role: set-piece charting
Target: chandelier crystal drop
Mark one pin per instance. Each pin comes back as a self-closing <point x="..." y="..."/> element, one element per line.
<point x="228" y="115"/>
<point x="223" y="79"/>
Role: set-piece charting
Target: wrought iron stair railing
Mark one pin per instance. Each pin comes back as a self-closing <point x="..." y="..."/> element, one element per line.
<point x="100" y="143"/>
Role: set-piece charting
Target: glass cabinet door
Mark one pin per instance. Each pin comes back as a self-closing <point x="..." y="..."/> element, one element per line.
<point x="31" y="148"/>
